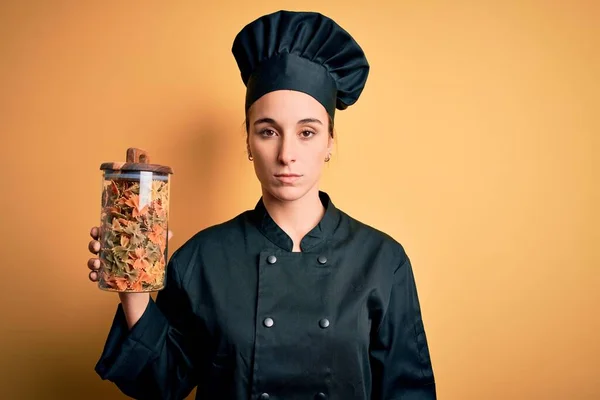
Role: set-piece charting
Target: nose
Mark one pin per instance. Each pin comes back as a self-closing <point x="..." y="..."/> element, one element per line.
<point x="287" y="150"/>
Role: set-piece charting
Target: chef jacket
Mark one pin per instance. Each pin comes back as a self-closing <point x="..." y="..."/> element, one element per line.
<point x="244" y="317"/>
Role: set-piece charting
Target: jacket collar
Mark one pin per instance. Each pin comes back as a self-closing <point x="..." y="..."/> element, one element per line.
<point x="316" y="236"/>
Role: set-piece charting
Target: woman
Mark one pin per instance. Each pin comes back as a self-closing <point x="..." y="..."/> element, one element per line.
<point x="293" y="299"/>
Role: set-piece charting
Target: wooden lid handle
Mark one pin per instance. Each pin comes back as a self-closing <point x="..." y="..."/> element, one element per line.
<point x="135" y="155"/>
<point x="137" y="160"/>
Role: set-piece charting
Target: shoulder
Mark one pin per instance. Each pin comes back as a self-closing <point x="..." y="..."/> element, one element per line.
<point x="373" y="238"/>
<point x="218" y="236"/>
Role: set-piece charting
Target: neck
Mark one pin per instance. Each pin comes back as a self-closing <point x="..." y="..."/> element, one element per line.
<point x="297" y="217"/>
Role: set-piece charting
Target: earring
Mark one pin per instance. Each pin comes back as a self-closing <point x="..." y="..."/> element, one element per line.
<point x="328" y="157"/>
<point x="250" y="157"/>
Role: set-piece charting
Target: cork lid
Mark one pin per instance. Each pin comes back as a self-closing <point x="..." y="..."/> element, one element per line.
<point x="137" y="160"/>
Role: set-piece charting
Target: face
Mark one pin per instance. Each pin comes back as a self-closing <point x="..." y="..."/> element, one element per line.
<point x="288" y="136"/>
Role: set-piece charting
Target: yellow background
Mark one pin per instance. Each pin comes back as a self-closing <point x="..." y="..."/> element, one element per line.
<point x="475" y="144"/>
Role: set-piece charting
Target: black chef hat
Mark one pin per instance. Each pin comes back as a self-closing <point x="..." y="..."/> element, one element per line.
<point x="303" y="51"/>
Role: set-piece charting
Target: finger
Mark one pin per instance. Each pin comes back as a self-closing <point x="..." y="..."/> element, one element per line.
<point x="94" y="246"/>
<point x="170" y="235"/>
<point x="94" y="232"/>
<point x="93" y="264"/>
<point x="93" y="276"/>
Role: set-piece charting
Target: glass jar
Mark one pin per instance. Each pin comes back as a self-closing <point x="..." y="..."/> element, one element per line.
<point x="134" y="224"/>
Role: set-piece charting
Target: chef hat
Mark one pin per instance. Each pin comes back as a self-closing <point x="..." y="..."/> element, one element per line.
<point x="302" y="51"/>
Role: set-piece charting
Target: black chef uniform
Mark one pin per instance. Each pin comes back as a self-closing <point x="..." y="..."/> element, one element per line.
<point x="243" y="317"/>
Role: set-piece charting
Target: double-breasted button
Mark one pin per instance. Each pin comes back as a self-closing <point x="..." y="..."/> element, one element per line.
<point x="324" y="323"/>
<point x="320" y="396"/>
<point x="271" y="259"/>
<point x="268" y="322"/>
<point x="322" y="260"/>
<point x="264" y="396"/>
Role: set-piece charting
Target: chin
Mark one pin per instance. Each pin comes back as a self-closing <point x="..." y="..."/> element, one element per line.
<point x="288" y="192"/>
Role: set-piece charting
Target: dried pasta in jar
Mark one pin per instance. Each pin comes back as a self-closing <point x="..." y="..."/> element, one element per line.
<point x="134" y="224"/>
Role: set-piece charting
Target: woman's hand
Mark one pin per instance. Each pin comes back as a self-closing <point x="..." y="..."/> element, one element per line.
<point x="134" y="304"/>
<point x="94" y="248"/>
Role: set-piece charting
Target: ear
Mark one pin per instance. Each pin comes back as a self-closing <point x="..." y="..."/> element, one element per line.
<point x="248" y="141"/>
<point x="330" y="145"/>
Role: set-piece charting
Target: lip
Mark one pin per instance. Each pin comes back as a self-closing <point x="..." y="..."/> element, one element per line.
<point x="287" y="178"/>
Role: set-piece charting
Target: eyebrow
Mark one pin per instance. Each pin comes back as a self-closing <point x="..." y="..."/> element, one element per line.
<point x="272" y="121"/>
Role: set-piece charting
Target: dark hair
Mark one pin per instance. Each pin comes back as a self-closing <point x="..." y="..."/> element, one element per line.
<point x="330" y="120"/>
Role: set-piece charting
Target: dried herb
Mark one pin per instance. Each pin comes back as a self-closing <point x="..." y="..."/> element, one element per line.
<point x="133" y="235"/>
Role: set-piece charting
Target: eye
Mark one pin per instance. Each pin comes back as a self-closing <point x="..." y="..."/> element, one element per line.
<point x="267" y="132"/>
<point x="307" y="134"/>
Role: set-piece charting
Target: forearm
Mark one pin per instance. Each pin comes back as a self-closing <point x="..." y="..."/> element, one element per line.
<point x="152" y="360"/>
<point x="401" y="363"/>
<point x="134" y="305"/>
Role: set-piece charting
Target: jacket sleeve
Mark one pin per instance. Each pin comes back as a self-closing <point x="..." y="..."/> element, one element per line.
<point x="400" y="362"/>
<point x="157" y="358"/>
